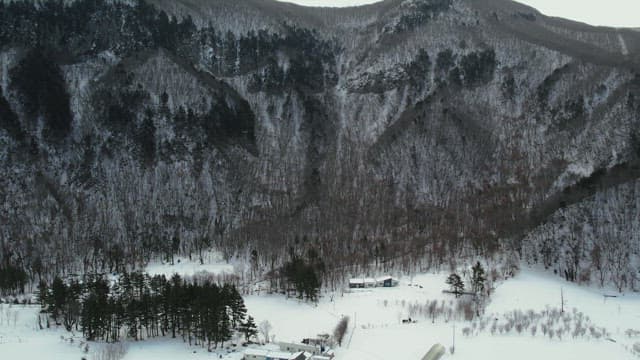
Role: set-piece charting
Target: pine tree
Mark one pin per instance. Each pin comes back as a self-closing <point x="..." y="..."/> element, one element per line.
<point x="146" y="137"/>
<point x="477" y="278"/>
<point x="72" y="307"/>
<point x="311" y="283"/>
<point x="236" y="304"/>
<point x="43" y="293"/>
<point x="341" y="329"/>
<point x="249" y="328"/>
<point x="456" y="284"/>
<point x="57" y="300"/>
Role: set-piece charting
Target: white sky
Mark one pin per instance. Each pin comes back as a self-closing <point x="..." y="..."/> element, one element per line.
<point x="619" y="13"/>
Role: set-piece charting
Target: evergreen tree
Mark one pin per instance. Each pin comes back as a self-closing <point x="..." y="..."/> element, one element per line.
<point x="57" y="299"/>
<point x="236" y="304"/>
<point x="42" y="91"/>
<point x="43" y="293"/>
<point x="303" y="277"/>
<point x="144" y="306"/>
<point x="456" y="284"/>
<point x="72" y="305"/>
<point x="311" y="283"/>
<point x="147" y="139"/>
<point x="95" y="310"/>
<point x="477" y="278"/>
<point x="249" y="328"/>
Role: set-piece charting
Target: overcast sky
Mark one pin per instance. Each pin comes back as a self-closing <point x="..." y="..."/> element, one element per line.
<point x="620" y="13"/>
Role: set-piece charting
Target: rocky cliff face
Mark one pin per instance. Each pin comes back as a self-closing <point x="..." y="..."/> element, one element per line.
<point x="406" y="132"/>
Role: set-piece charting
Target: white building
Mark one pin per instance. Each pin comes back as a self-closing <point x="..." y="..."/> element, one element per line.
<point x="264" y="354"/>
<point x="384" y="281"/>
<point x="293" y="347"/>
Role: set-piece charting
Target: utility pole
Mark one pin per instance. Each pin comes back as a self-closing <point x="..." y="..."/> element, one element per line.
<point x="453" y="347"/>
<point x="354" y="329"/>
<point x="561" y="300"/>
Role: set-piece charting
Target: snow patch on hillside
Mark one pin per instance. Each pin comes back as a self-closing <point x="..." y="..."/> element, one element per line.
<point x="623" y="45"/>
<point x="185" y="266"/>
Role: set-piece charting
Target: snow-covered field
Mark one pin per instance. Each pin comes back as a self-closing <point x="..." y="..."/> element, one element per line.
<point x="212" y="263"/>
<point x="20" y="337"/>
<point x="379" y="334"/>
<point x="376" y="330"/>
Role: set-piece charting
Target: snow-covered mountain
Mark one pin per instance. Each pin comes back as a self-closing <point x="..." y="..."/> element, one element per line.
<point x="406" y="132"/>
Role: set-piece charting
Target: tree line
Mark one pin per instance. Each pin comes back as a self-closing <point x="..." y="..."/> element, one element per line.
<point x="12" y="278"/>
<point x="137" y="306"/>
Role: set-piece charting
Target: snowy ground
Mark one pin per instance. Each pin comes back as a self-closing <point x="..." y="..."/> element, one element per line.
<point x="20" y="337"/>
<point x="376" y="331"/>
<point x="379" y="334"/>
<point x="212" y="263"/>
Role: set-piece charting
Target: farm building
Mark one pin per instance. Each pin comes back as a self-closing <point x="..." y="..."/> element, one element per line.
<point x="263" y="354"/>
<point x="314" y="341"/>
<point x="361" y="283"/>
<point x="356" y="283"/>
<point x="288" y="351"/>
<point x="291" y="347"/>
<point x="385" y="281"/>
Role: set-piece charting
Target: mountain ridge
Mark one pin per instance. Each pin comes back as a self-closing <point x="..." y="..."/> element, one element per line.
<point x="442" y="129"/>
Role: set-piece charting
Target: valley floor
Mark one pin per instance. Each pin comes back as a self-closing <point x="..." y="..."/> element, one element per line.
<point x="376" y="330"/>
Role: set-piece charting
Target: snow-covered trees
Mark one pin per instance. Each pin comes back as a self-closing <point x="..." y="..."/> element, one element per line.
<point x="265" y="329"/>
<point x="592" y="241"/>
<point x="249" y="328"/>
<point x="394" y="149"/>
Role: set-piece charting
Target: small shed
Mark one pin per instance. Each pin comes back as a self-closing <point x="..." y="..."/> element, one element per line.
<point x="263" y="354"/>
<point x="356" y="283"/>
<point x="359" y="283"/>
<point x="370" y="283"/>
<point x="387" y="281"/>
<point x="384" y="281"/>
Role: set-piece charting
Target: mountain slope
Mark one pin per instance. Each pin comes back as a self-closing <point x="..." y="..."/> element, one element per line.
<point x="421" y="131"/>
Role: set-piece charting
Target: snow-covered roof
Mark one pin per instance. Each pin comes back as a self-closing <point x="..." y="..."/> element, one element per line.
<point x="257" y="352"/>
<point x="273" y="354"/>
<point x="369" y="280"/>
<point x="296" y="346"/>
